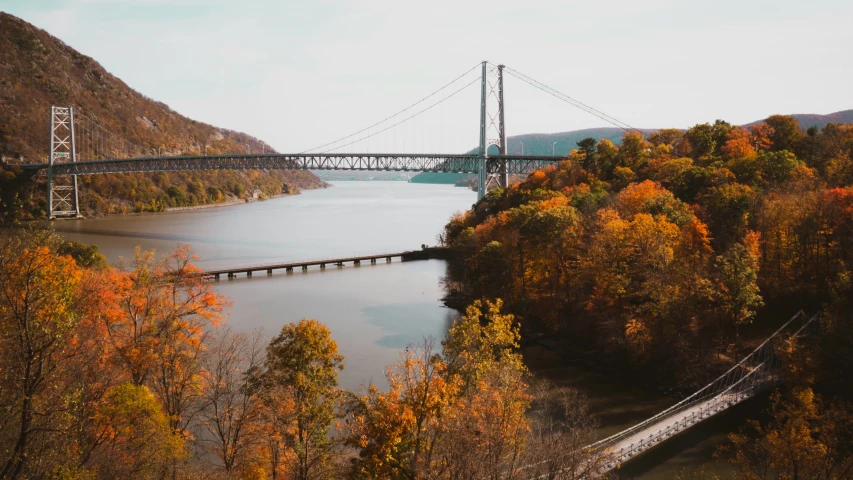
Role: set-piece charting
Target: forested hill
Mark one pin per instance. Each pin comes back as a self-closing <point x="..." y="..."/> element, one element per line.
<point x="808" y="120"/>
<point x="37" y="70"/>
<point x="544" y="143"/>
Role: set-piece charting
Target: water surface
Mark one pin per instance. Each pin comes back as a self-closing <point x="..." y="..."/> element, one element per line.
<point x="374" y="311"/>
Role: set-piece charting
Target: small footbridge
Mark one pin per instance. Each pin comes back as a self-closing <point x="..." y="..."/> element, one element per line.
<point x="756" y="373"/>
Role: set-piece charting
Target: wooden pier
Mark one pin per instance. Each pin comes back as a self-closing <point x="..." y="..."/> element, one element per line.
<point x="289" y="267"/>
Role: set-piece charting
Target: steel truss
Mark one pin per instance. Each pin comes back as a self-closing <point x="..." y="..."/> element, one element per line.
<point x="62" y="196"/>
<point x="515" y="164"/>
<point x="494" y="171"/>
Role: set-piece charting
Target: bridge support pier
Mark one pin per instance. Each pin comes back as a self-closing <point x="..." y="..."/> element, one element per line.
<point x="373" y="261"/>
<point x="356" y="263"/>
<point x="216" y="277"/>
<point x="249" y="273"/>
<point x="387" y="259"/>
<point x="322" y="266"/>
<point x="269" y="271"/>
<point x="304" y="268"/>
<point x="289" y="269"/>
<point x="230" y="275"/>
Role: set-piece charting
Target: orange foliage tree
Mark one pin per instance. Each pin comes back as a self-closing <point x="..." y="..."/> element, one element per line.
<point x="39" y="316"/>
<point x="155" y="316"/>
<point x="456" y="415"/>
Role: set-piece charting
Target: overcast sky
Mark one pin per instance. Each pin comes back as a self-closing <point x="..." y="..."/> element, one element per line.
<point x="298" y="74"/>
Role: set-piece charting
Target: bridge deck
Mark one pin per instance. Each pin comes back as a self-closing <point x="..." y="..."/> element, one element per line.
<point x="427" y="162"/>
<point x="666" y="428"/>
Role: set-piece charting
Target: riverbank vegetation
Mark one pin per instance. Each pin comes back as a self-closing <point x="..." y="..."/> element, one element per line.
<point x="24" y="198"/>
<point x="671" y="256"/>
<point x="130" y="372"/>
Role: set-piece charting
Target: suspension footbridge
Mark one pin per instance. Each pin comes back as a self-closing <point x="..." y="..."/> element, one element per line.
<point x="756" y="373"/>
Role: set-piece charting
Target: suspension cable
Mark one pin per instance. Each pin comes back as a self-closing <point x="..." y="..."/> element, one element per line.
<point x="405" y="119"/>
<point x="394" y="115"/>
<point x="108" y="136"/>
<point x="571" y="101"/>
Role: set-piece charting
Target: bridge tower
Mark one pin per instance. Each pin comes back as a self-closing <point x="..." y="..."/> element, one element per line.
<point x="492" y="172"/>
<point x="62" y="198"/>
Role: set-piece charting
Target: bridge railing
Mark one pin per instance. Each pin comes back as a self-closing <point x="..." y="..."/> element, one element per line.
<point x="741" y="390"/>
<point x="746" y="378"/>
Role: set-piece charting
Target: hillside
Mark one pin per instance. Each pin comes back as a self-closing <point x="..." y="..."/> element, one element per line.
<point x="542" y="143"/>
<point x="37" y="70"/>
<point x="816" y="120"/>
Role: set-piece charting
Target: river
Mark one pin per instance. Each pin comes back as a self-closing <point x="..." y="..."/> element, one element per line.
<point x="373" y="311"/>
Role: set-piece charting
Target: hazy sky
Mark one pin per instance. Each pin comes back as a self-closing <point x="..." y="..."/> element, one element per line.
<point x="298" y="74"/>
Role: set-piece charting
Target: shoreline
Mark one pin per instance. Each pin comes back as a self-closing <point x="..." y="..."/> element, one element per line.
<point x="228" y="203"/>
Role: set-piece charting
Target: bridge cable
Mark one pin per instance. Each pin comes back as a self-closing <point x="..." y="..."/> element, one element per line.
<point x="559" y="97"/>
<point x="575" y="103"/>
<point x="405" y="119"/>
<point x="517" y="73"/>
<point x="396" y="114"/>
<point x="96" y="126"/>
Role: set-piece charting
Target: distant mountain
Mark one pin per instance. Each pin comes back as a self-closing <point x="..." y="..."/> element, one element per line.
<point x="544" y="143"/>
<point x="37" y="70"/>
<point x="815" y="120"/>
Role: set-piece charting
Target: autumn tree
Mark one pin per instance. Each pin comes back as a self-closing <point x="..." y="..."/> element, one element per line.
<point x="728" y="208"/>
<point x="562" y="428"/>
<point x="39" y="315"/>
<point x="738" y="277"/>
<point x="634" y="151"/>
<point x="135" y="436"/>
<point x="461" y="414"/>
<point x="702" y="140"/>
<point x="607" y="156"/>
<point x="738" y="145"/>
<point x="398" y="434"/>
<point x="806" y="438"/>
<point x="156" y="316"/>
<point x="488" y="426"/>
<point x="786" y="132"/>
<point x="298" y="394"/>
<point x="231" y="400"/>
<point x="666" y="136"/>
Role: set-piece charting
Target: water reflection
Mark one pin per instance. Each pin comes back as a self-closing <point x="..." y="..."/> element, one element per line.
<point x="407" y="323"/>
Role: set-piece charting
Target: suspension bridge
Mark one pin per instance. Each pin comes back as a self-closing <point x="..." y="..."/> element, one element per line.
<point x="79" y="145"/>
<point x="756" y="373"/>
